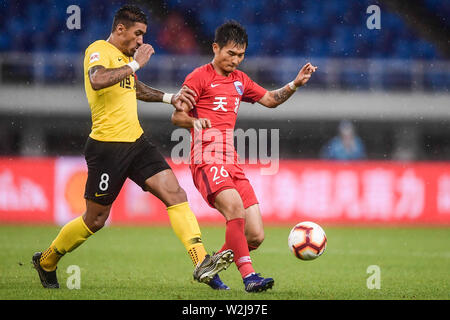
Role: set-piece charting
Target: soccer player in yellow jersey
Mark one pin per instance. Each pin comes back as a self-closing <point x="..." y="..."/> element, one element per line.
<point x="117" y="149"/>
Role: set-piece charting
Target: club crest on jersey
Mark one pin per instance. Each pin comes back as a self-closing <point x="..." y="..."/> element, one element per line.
<point x="94" y="57"/>
<point x="239" y="87"/>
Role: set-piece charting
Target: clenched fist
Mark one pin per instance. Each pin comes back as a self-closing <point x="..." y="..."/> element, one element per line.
<point x="143" y="54"/>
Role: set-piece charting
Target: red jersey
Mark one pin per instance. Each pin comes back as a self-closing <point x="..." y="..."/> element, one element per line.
<point x="218" y="99"/>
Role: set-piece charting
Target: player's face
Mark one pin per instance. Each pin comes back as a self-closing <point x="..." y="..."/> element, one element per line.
<point x="132" y="37"/>
<point x="228" y="57"/>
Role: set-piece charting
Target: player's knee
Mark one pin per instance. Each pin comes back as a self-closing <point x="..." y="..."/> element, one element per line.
<point x="95" y="220"/>
<point x="181" y="194"/>
<point x="255" y="240"/>
<point x="97" y="224"/>
<point x="176" y="196"/>
<point x="233" y="210"/>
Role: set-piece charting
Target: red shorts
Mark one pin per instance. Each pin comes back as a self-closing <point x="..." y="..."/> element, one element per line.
<point x="211" y="179"/>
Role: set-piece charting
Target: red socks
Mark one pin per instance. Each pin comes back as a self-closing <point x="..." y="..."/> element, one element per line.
<point x="236" y="241"/>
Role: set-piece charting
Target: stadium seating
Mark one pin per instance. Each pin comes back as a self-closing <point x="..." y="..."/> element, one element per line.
<point x="331" y="28"/>
<point x="308" y="28"/>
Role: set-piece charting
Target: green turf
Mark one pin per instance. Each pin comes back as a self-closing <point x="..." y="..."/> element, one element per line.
<point x="150" y="263"/>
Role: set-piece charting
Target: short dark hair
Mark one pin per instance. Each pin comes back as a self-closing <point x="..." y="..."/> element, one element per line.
<point x="231" y="31"/>
<point x="128" y="15"/>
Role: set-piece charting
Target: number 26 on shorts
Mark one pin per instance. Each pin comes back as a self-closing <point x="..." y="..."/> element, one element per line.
<point x="217" y="173"/>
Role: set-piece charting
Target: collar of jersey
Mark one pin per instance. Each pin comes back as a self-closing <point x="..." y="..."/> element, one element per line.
<point x="117" y="49"/>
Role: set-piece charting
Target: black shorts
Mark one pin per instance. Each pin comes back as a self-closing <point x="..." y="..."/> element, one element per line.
<point x="111" y="163"/>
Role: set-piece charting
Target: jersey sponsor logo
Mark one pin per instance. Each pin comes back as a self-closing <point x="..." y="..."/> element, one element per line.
<point x="239" y="87"/>
<point x="94" y="57"/>
<point x="220" y="103"/>
<point x="215" y="85"/>
<point x="100" y="194"/>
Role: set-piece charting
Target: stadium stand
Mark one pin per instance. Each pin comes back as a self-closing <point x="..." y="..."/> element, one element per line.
<point x="310" y="29"/>
<point x="332" y="28"/>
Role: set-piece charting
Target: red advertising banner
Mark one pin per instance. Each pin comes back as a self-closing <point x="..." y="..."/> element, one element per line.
<point x="26" y="190"/>
<point x="384" y="192"/>
<point x="35" y="190"/>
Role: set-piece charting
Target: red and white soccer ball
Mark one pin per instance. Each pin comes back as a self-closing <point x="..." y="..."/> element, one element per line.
<point x="307" y="240"/>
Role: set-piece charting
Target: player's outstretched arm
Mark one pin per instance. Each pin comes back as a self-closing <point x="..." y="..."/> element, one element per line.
<point x="274" y="98"/>
<point x="101" y="77"/>
<point x="148" y="94"/>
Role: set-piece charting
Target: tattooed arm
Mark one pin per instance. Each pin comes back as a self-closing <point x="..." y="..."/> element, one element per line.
<point x="274" y="98"/>
<point x="101" y="77"/>
<point x="148" y="94"/>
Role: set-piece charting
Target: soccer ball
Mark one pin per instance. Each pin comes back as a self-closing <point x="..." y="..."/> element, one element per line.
<point x="307" y="240"/>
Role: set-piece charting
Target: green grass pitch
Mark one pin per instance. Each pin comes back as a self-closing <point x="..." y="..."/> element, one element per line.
<point x="150" y="263"/>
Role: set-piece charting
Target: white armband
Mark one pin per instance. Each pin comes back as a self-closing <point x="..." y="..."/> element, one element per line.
<point x="167" y="98"/>
<point x="134" y="65"/>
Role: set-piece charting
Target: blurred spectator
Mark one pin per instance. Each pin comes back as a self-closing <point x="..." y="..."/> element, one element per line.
<point x="345" y="146"/>
<point x="176" y="37"/>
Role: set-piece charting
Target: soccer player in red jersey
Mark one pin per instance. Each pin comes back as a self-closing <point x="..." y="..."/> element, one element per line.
<point x="219" y="89"/>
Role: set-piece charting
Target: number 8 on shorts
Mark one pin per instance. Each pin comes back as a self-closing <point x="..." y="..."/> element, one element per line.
<point x="104" y="179"/>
